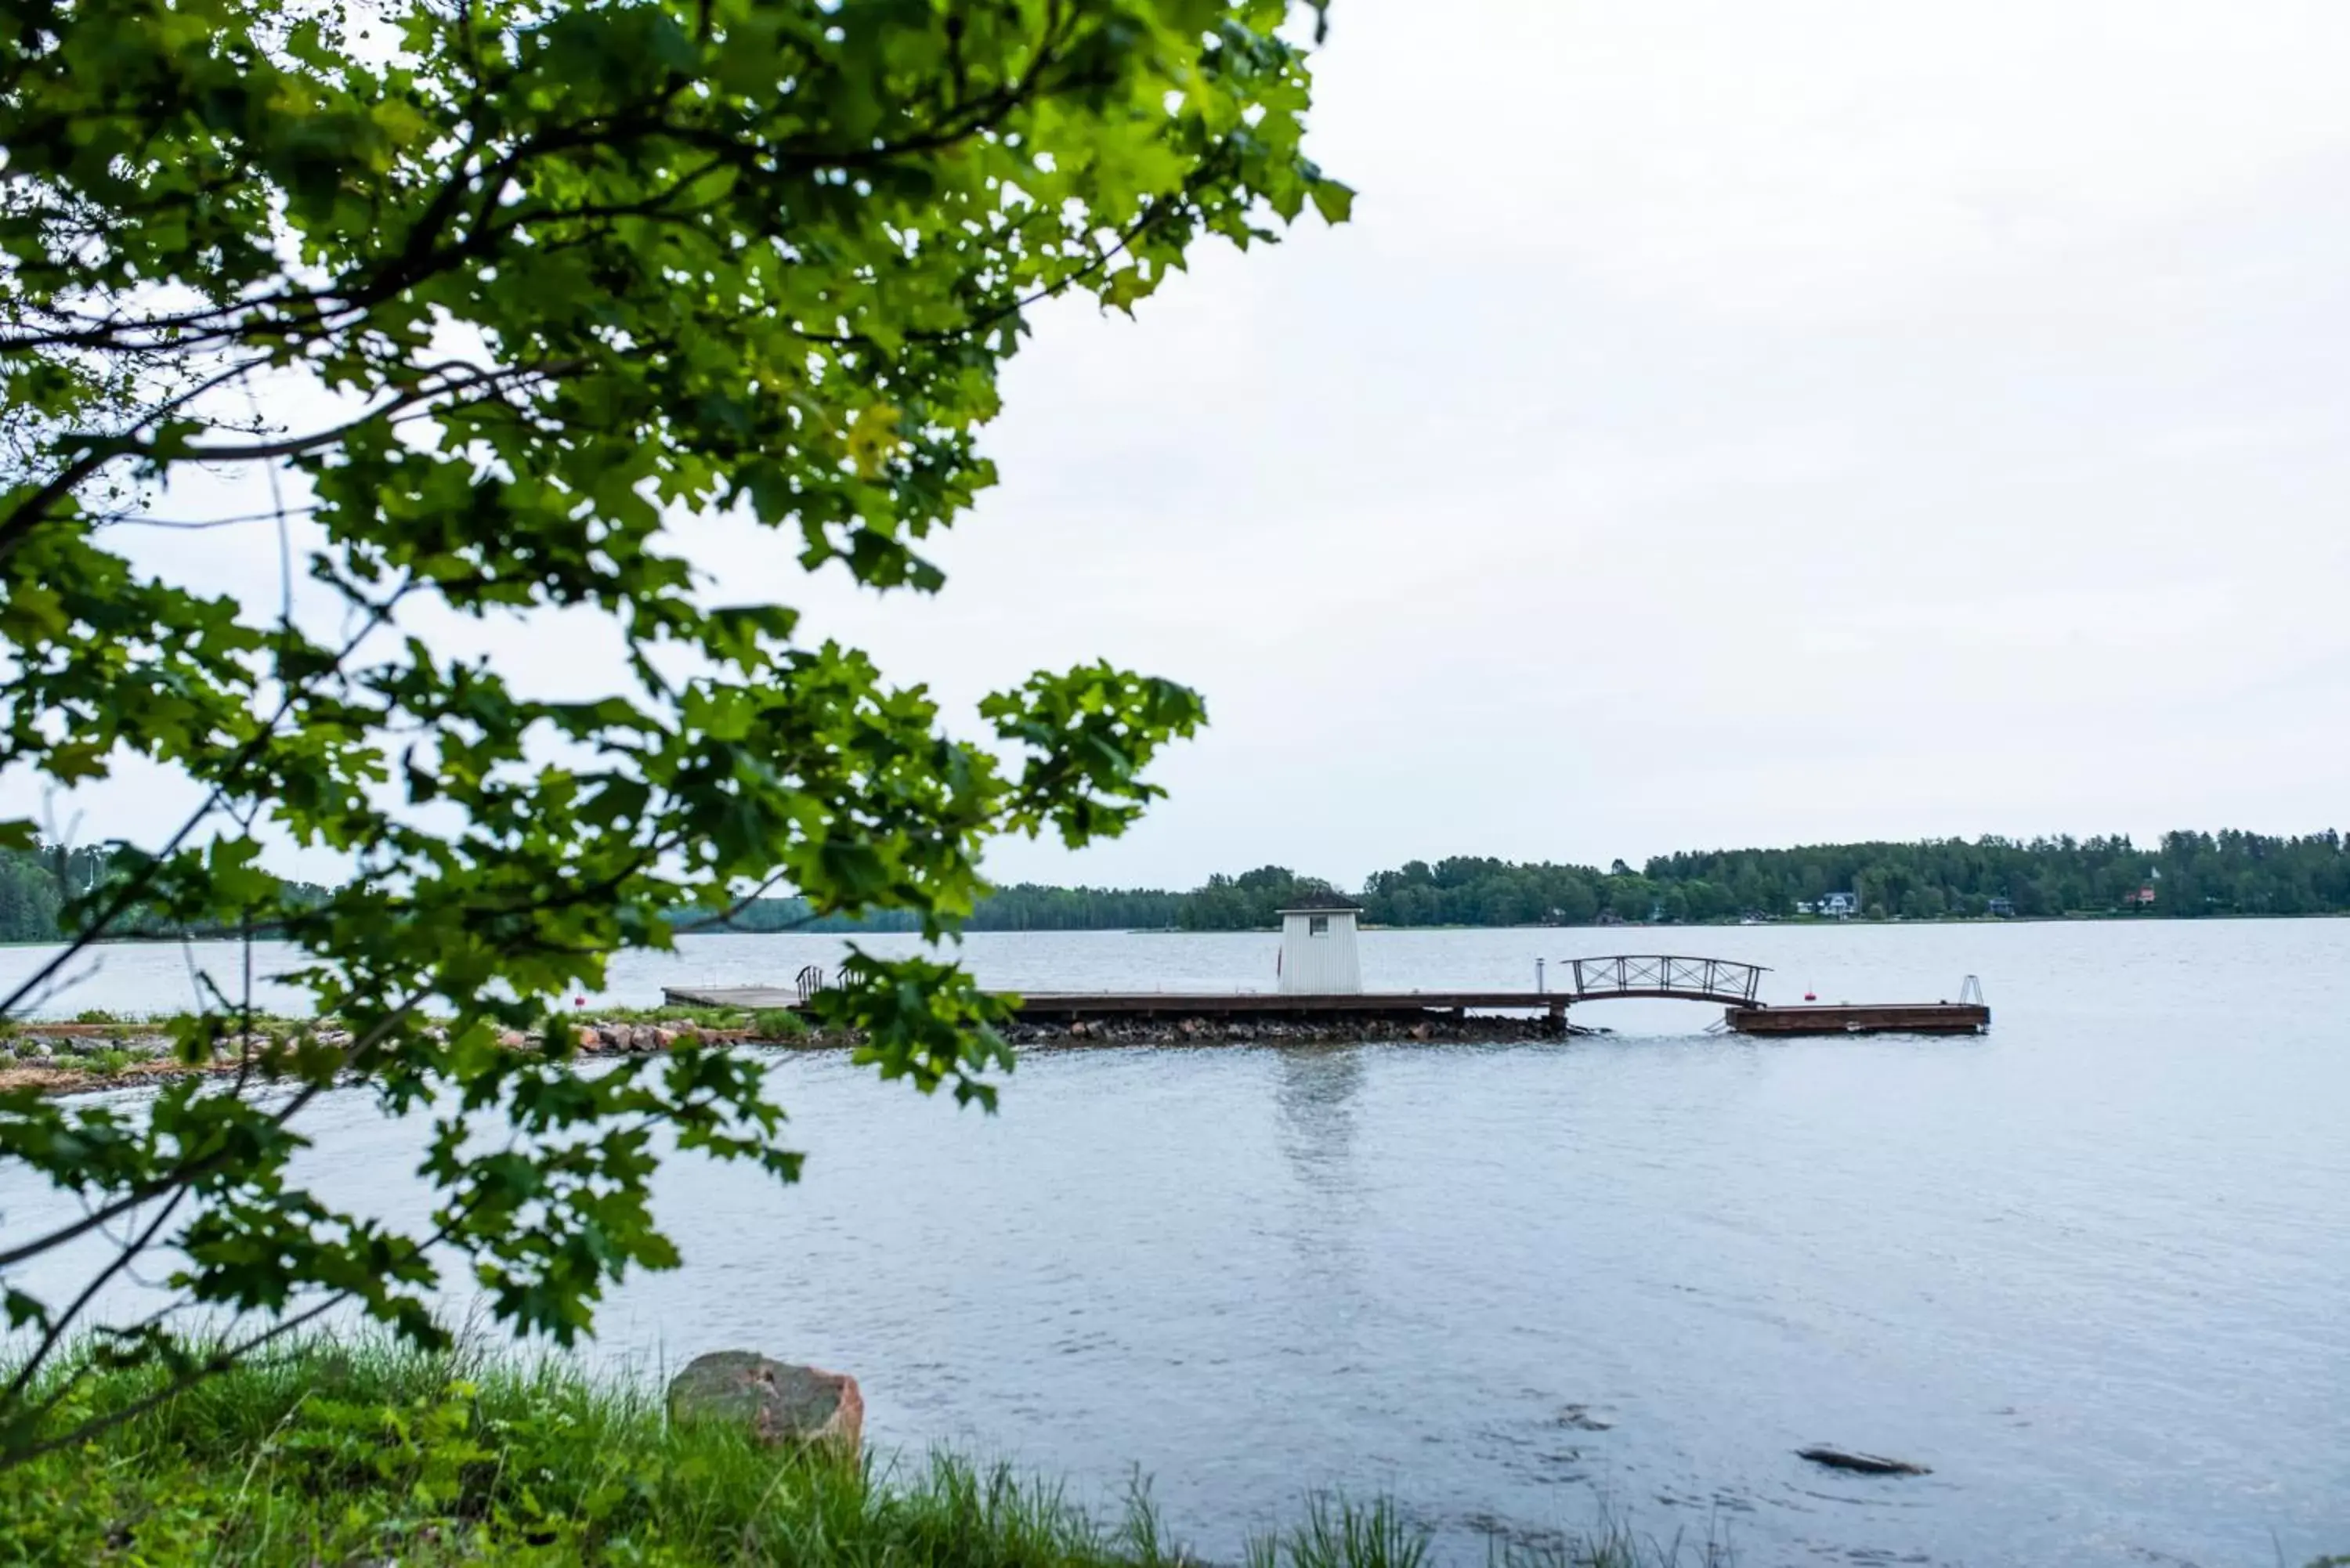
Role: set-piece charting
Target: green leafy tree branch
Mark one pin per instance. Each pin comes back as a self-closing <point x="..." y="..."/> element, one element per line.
<point x="544" y="276"/>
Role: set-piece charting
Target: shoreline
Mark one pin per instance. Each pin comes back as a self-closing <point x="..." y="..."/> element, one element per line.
<point x="353" y="1449"/>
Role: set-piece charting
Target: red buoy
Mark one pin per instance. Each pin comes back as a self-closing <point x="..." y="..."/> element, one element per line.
<point x="1809" y="996"/>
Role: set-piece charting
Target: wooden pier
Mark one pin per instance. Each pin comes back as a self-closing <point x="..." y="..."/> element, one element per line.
<point x="1228" y="1006"/>
<point x="1733" y="985"/>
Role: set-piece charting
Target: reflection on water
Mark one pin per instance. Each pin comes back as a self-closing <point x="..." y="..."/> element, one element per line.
<point x="1313" y="1090"/>
<point x="2090" y="1269"/>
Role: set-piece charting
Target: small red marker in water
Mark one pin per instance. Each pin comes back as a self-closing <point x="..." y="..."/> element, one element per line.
<point x="1809" y="996"/>
<point x="582" y="1002"/>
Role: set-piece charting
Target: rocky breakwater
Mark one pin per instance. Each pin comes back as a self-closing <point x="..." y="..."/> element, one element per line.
<point x="51" y="1057"/>
<point x="68" y="1059"/>
<point x="1164" y="1031"/>
<point x="71" y="1058"/>
<point x="622" y="1039"/>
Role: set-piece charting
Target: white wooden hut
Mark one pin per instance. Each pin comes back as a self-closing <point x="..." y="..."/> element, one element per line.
<point x="1318" y="946"/>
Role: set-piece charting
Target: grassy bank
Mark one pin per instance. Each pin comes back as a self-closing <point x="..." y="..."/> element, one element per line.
<point x="329" y="1457"/>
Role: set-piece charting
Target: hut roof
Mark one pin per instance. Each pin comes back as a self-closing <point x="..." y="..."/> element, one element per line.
<point x="1319" y="904"/>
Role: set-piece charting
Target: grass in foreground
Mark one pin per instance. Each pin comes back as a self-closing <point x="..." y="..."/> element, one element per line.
<point x="330" y="1456"/>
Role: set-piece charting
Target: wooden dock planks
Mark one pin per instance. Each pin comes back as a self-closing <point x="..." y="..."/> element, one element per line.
<point x="1066" y="1005"/>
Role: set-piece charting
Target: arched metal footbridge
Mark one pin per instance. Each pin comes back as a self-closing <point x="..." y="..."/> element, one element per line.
<point x="1667" y="975"/>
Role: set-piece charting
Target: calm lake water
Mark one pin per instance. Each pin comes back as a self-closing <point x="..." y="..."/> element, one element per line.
<point x="2093" y="1268"/>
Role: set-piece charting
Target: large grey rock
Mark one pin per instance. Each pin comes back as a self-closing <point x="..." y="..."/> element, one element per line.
<point x="775" y="1401"/>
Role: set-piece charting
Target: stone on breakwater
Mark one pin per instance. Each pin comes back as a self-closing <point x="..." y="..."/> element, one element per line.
<point x="631" y="1039"/>
<point x="776" y="1401"/>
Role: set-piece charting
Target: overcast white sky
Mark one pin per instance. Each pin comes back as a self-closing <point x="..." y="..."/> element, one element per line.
<point x="1723" y="424"/>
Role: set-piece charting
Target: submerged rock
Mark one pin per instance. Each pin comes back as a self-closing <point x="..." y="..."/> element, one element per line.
<point x="1864" y="1464"/>
<point x="776" y="1401"/>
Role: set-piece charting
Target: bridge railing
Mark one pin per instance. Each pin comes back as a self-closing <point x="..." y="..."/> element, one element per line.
<point x="813" y="979"/>
<point x="1651" y="974"/>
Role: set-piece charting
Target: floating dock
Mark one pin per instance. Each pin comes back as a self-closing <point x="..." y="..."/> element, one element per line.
<point x="1882" y="1018"/>
<point x="1734" y="985"/>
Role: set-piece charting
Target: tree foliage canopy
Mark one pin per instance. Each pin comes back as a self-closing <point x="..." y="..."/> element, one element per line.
<point x="493" y="291"/>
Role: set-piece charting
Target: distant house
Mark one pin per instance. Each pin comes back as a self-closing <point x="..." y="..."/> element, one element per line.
<point x="2141" y="899"/>
<point x="2004" y="909"/>
<point x="1840" y="906"/>
<point x="1317" y="946"/>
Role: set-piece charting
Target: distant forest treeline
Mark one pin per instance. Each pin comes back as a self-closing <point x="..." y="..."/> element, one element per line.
<point x="2187" y="874"/>
<point x="37" y="885"/>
